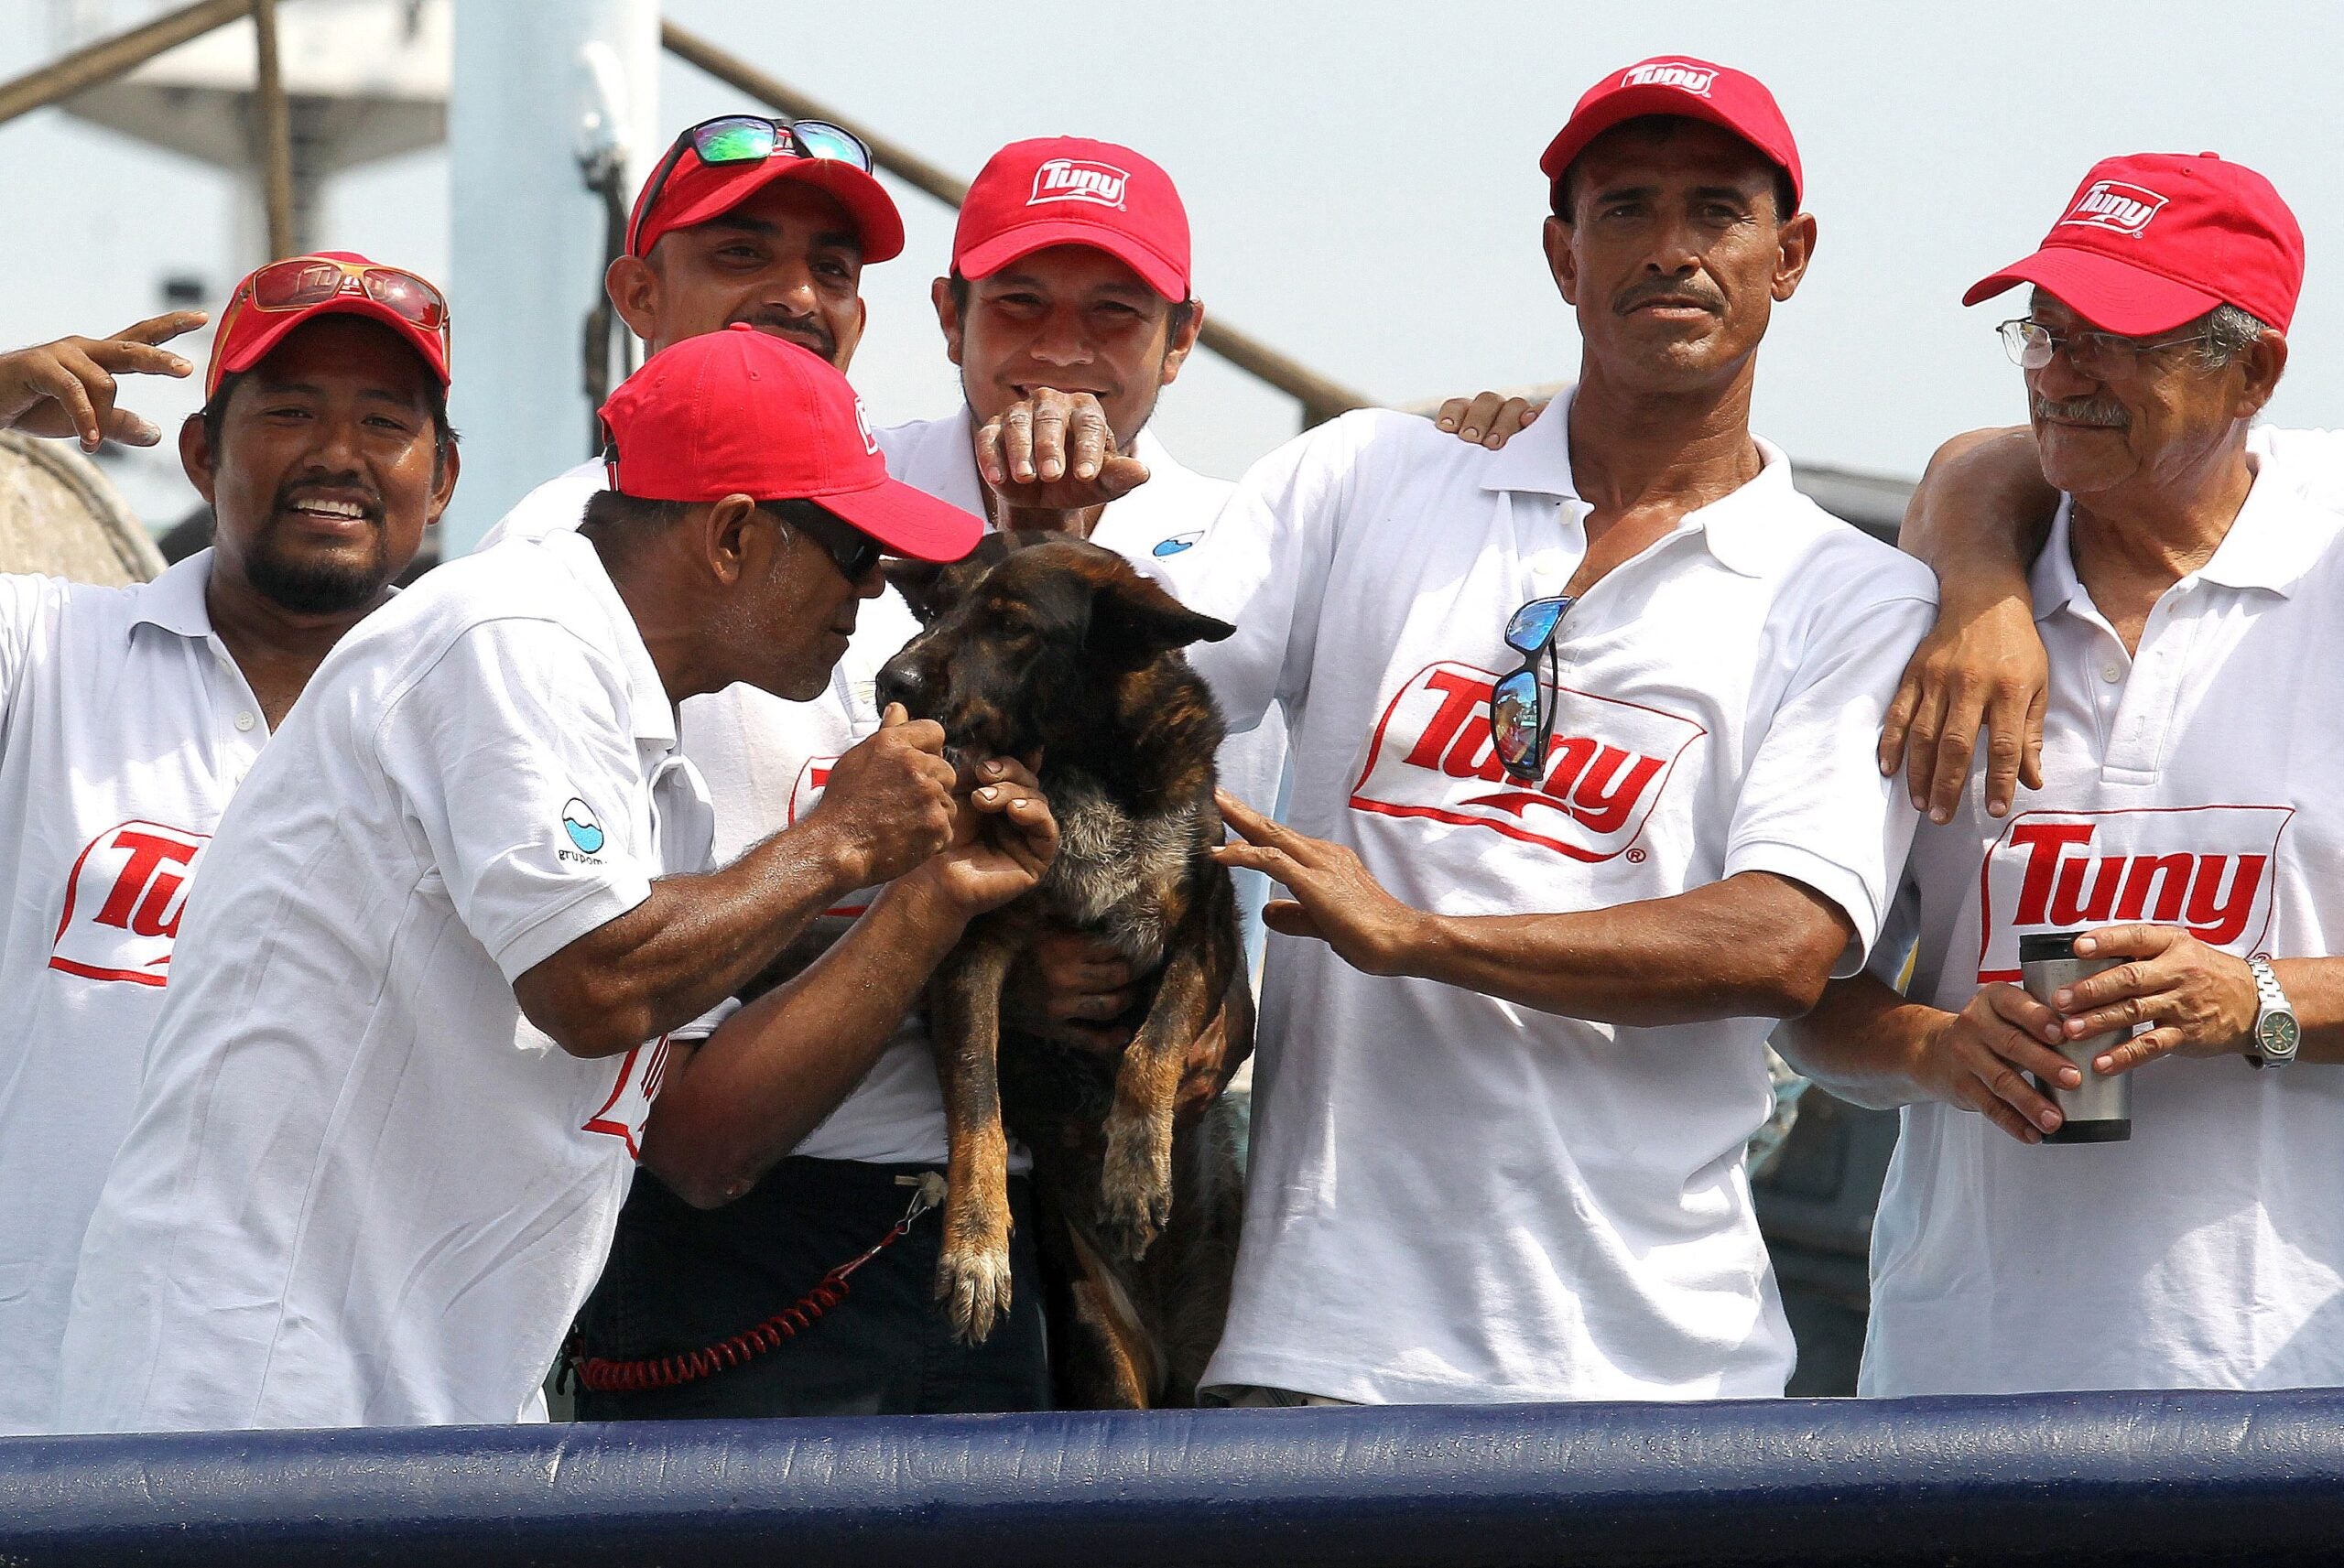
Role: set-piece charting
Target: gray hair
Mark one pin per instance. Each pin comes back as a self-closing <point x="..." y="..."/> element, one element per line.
<point x="2229" y="332"/>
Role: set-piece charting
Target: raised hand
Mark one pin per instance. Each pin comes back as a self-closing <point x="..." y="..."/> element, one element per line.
<point x="67" y="387"/>
<point x="1055" y="452"/>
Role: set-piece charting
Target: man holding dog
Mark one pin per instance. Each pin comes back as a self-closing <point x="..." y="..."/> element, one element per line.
<point x="397" y="1156"/>
<point x="1070" y="272"/>
<point x="133" y="714"/>
<point x="2177" y="816"/>
<point x="1583" y="799"/>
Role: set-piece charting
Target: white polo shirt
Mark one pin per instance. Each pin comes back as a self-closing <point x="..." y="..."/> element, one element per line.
<point x="358" y="1189"/>
<point x="2200" y="784"/>
<point x="124" y="725"/>
<point x="1452" y="1198"/>
<point x="766" y="760"/>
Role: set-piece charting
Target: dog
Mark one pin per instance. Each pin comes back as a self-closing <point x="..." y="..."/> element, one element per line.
<point x="1058" y="646"/>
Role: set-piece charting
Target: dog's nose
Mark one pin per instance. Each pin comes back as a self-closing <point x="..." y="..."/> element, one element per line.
<point x="897" y="682"/>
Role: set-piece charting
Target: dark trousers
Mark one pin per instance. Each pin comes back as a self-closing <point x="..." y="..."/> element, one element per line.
<point x="681" y="1279"/>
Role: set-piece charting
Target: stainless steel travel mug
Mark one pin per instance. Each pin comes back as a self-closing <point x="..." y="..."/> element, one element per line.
<point x="2098" y="1111"/>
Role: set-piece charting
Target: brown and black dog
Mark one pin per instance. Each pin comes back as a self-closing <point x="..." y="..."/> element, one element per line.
<point x="1058" y="646"/>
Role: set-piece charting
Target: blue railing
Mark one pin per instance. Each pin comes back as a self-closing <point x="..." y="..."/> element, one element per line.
<point x="2087" y="1478"/>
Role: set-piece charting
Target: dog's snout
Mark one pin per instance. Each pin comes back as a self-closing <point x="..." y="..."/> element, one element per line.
<point x="898" y="682"/>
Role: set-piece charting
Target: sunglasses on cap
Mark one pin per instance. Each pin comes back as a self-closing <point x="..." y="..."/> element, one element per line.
<point x="1521" y="723"/>
<point x="751" y="138"/>
<point x="302" y="282"/>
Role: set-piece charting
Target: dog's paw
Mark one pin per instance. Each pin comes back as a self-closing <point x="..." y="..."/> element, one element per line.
<point x="1136" y="1189"/>
<point x="972" y="1283"/>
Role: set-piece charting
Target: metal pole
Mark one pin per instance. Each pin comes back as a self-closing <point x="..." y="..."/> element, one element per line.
<point x="116" y="56"/>
<point x="275" y="128"/>
<point x="1320" y="398"/>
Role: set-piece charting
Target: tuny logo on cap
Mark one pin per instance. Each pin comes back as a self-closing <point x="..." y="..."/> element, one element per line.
<point x="862" y="422"/>
<point x="1694" y="79"/>
<point x="2115" y="206"/>
<point x="1079" y="180"/>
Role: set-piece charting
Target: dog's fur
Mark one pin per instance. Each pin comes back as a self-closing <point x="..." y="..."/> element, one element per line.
<point x="1060" y="646"/>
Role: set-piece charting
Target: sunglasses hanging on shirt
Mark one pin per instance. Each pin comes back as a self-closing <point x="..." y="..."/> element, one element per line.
<point x="1521" y="720"/>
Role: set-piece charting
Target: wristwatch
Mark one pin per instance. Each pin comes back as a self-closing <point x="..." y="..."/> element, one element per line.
<point x="2276" y="1032"/>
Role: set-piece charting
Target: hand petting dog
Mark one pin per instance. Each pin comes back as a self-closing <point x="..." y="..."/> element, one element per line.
<point x="1335" y="900"/>
<point x="1004" y="838"/>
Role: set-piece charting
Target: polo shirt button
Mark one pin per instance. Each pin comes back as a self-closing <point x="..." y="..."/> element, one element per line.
<point x="2112" y="673"/>
<point x="244" y="720"/>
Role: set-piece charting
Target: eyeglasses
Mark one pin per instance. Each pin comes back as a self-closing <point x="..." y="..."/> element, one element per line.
<point x="750" y="138"/>
<point x="2030" y="344"/>
<point x="851" y="550"/>
<point x="1520" y="721"/>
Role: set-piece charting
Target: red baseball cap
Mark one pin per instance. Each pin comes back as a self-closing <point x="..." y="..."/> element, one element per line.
<point x="1067" y="190"/>
<point x="692" y="192"/>
<point x="2154" y="240"/>
<point x="1679" y="84"/>
<point x="740" y="412"/>
<point x="272" y="301"/>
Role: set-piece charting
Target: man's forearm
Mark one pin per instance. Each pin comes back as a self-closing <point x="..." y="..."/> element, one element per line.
<point x="752" y="1091"/>
<point x="1978" y="515"/>
<point x="694" y="942"/>
<point x="1753" y="945"/>
<point x="1863" y="1043"/>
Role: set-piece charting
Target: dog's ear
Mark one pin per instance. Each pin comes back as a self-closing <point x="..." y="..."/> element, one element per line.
<point x="1133" y="619"/>
<point x="919" y="582"/>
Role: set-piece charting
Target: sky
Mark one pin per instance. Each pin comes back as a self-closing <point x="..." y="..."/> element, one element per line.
<point x="1362" y="180"/>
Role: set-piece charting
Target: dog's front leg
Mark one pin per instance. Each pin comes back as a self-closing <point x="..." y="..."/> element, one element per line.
<point x="964" y="1020"/>
<point x="1136" y="1184"/>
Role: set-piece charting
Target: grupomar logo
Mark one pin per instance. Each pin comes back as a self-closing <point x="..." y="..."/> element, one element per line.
<point x="585" y="828"/>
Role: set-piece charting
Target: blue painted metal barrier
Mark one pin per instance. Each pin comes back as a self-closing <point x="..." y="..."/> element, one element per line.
<point x="2071" y="1478"/>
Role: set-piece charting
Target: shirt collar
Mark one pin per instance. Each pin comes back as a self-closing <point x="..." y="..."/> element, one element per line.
<point x="650" y="713"/>
<point x="1747" y="531"/>
<point x="2275" y="538"/>
<point x="174" y="600"/>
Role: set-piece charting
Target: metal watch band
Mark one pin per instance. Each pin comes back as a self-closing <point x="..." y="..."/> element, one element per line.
<point x="2273" y="999"/>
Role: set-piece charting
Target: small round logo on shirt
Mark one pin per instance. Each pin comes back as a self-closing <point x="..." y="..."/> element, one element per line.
<point x="585" y="828"/>
<point x="1178" y="543"/>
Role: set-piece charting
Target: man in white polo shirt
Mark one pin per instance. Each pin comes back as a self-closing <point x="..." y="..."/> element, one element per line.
<point x="1052" y="284"/>
<point x="1558" y="864"/>
<point x="128" y="716"/>
<point x="2187" y="598"/>
<point x="458" y="914"/>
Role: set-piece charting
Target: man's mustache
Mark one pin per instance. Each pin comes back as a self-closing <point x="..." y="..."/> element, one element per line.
<point x="1701" y="294"/>
<point x="2102" y="411"/>
<point x="810" y="329"/>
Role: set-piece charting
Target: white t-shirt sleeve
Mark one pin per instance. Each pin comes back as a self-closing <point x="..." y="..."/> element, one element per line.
<point x="2311" y="461"/>
<point x="1814" y="806"/>
<point x="515" y="753"/>
<point x="1261" y="566"/>
<point x="26" y="601"/>
<point x="553" y="507"/>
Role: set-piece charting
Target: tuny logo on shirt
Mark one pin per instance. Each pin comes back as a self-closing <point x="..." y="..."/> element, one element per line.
<point x="2206" y="868"/>
<point x="1694" y="79"/>
<point x="2114" y="205"/>
<point x="1079" y="180"/>
<point x="1606" y="765"/>
<point x="123" y="902"/>
<point x="622" y="1115"/>
<point x="584" y="828"/>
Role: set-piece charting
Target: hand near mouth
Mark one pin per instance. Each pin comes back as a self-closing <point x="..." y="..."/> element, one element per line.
<point x="1054" y="453"/>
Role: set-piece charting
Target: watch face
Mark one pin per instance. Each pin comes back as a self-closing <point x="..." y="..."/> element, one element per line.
<point x="2277" y="1034"/>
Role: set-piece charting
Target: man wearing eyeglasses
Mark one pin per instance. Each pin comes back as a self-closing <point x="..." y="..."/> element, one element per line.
<point x="463" y="928"/>
<point x="2186" y="598"/>
<point x="128" y="716"/>
<point x="1583" y="799"/>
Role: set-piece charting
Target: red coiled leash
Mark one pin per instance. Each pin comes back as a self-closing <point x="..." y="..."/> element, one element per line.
<point x="605" y="1374"/>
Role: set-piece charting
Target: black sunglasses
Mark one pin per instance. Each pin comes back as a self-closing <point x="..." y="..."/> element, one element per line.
<point x="855" y="553"/>
<point x="1521" y="723"/>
